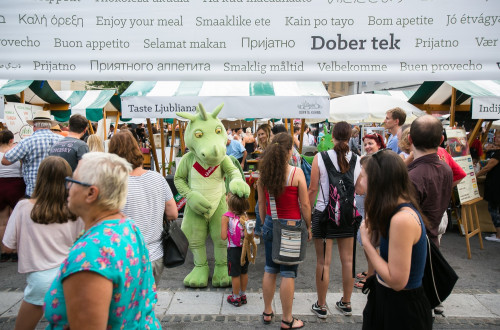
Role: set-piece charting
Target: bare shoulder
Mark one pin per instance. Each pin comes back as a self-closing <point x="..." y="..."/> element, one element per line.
<point x="298" y="176"/>
<point x="406" y="222"/>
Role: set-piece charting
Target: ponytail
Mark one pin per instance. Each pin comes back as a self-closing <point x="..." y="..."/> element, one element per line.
<point x="342" y="133"/>
<point x="341" y="149"/>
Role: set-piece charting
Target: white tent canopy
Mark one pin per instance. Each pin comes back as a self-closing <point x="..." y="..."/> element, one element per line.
<point x="368" y="108"/>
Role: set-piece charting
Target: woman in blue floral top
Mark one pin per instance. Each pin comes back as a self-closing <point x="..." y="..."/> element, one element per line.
<point x="106" y="281"/>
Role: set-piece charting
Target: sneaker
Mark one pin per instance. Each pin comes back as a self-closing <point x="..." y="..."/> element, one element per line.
<point x="234" y="301"/>
<point x="344" y="307"/>
<point x="320" y="311"/>
<point x="14" y="257"/>
<point x="492" y="238"/>
<point x="243" y="299"/>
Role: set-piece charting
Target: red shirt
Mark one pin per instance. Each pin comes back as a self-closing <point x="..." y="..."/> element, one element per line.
<point x="458" y="172"/>
<point x="287" y="204"/>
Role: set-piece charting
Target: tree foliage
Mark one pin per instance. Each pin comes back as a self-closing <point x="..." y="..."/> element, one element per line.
<point x="120" y="86"/>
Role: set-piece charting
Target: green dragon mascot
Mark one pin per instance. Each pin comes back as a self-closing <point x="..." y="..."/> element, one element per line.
<point x="200" y="178"/>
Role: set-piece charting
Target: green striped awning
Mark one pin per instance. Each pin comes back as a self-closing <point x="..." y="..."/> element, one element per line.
<point x="439" y="92"/>
<point x="12" y="87"/>
<point x="242" y="99"/>
<point x="88" y="103"/>
<point x="36" y="92"/>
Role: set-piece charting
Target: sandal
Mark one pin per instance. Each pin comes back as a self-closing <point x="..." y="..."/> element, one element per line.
<point x="264" y="315"/>
<point x="290" y="324"/>
<point x="360" y="284"/>
<point x="361" y="275"/>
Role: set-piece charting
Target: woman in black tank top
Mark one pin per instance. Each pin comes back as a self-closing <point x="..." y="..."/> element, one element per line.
<point x="396" y="299"/>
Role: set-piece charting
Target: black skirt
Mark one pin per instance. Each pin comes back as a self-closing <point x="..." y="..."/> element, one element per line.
<point x="387" y="309"/>
<point x="322" y="227"/>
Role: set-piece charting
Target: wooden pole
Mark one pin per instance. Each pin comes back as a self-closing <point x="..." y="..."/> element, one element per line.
<point x="475" y="131"/>
<point x="91" y="127"/>
<point x="162" y="136"/>
<point x="302" y="126"/>
<point x="286" y="123"/>
<point x="172" y="142"/>
<point x="181" y="135"/>
<point x="453" y="106"/>
<point x="104" y="123"/>
<point x="116" y="123"/>
<point x="152" y="142"/>
<point x="485" y="135"/>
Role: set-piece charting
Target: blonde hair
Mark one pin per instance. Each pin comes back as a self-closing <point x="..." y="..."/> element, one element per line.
<point x="404" y="143"/>
<point x="95" y="143"/>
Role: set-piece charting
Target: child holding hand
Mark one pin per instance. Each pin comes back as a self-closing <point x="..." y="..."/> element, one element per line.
<point x="232" y="229"/>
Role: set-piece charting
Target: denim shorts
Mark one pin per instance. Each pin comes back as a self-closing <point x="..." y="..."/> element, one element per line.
<point x="286" y="271"/>
<point x="38" y="285"/>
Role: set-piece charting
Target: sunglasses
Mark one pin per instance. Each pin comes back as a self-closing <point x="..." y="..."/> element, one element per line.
<point x="376" y="155"/>
<point x="70" y="181"/>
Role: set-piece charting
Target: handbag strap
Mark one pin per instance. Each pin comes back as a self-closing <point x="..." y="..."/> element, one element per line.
<point x="272" y="204"/>
<point x="432" y="270"/>
<point x="166" y="223"/>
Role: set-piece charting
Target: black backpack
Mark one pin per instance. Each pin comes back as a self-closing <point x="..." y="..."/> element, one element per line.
<point x="340" y="206"/>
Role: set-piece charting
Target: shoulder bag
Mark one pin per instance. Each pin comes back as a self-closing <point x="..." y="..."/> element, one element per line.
<point x="289" y="240"/>
<point x="439" y="278"/>
<point x="175" y="244"/>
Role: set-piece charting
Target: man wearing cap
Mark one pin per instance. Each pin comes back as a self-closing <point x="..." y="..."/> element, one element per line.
<point x="32" y="150"/>
<point x="72" y="148"/>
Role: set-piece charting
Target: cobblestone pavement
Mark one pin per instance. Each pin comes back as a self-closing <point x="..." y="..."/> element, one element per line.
<point x="474" y="304"/>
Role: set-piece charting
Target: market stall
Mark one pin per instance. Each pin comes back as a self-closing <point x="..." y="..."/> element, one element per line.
<point x="476" y="97"/>
<point x="242" y="99"/>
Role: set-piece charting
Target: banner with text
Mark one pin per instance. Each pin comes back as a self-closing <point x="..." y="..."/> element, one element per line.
<point x="486" y="107"/>
<point x="458" y="147"/>
<point x="342" y="40"/>
<point x="234" y="106"/>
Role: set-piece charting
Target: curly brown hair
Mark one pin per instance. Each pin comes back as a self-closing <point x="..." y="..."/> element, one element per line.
<point x="125" y="145"/>
<point x="274" y="163"/>
<point x="50" y="193"/>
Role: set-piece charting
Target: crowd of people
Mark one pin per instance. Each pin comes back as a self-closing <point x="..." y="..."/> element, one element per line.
<point x="87" y="225"/>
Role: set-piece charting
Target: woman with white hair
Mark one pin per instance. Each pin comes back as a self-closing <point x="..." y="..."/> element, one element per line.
<point x="149" y="198"/>
<point x="107" y="280"/>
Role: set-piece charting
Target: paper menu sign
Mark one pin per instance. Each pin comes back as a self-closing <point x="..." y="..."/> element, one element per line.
<point x="458" y="147"/>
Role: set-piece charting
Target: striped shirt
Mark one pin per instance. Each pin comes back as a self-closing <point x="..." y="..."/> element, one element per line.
<point x="146" y="198"/>
<point x="31" y="151"/>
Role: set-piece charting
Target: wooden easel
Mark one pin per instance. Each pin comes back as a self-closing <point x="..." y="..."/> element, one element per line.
<point x="470" y="217"/>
